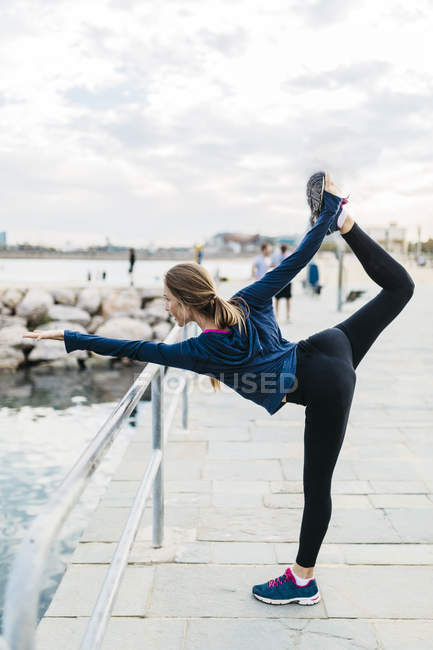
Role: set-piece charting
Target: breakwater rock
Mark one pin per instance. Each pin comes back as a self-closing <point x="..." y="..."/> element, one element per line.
<point x="130" y="313"/>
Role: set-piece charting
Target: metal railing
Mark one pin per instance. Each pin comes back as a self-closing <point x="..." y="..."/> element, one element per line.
<point x="25" y="579"/>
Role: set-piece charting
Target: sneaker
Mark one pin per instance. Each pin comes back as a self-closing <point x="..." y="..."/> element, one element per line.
<point x="315" y="193"/>
<point x="284" y="590"/>
<point x="315" y="189"/>
<point x="339" y="218"/>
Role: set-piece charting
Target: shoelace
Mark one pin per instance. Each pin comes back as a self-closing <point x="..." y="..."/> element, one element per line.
<point x="286" y="577"/>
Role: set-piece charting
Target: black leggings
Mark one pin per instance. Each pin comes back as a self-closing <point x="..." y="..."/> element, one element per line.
<point x="326" y="383"/>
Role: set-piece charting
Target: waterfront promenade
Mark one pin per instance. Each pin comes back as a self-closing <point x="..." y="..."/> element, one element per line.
<point x="233" y="510"/>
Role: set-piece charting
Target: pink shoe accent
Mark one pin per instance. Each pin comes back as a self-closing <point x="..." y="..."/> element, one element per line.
<point x="286" y="577"/>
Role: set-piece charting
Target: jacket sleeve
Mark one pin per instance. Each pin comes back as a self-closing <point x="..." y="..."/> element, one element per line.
<point x="185" y="354"/>
<point x="259" y="293"/>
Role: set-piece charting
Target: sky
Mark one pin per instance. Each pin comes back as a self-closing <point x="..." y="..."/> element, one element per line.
<point x="163" y="123"/>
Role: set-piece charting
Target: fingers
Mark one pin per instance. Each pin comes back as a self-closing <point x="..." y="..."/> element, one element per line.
<point x="29" y="335"/>
<point x="33" y="335"/>
<point x="38" y="335"/>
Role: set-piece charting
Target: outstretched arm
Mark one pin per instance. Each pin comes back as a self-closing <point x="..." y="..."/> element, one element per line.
<point x="185" y="354"/>
<point x="261" y="292"/>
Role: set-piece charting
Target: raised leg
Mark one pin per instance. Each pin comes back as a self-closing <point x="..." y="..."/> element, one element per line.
<point x="365" y="325"/>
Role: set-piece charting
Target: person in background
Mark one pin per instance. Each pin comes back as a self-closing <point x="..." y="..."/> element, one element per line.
<point x="198" y="253"/>
<point x="313" y="278"/>
<point x="286" y="292"/>
<point x="262" y="261"/>
<point x="131" y="260"/>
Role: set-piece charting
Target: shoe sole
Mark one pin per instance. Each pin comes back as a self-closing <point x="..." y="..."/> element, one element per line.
<point x="300" y="601"/>
<point x="314" y="216"/>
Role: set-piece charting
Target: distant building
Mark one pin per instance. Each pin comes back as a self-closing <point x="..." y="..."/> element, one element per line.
<point x="231" y="241"/>
<point x="3" y="241"/>
<point x="290" y="240"/>
<point x="392" y="237"/>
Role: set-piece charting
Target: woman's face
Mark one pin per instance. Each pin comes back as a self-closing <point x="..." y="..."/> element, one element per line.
<point x="180" y="313"/>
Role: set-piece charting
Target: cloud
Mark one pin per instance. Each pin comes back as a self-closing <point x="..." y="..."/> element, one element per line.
<point x="322" y="13"/>
<point x="230" y="43"/>
<point x="364" y="75"/>
<point x="105" y="98"/>
<point x="179" y="115"/>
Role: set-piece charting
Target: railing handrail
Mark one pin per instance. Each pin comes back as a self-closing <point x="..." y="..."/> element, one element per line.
<point x="24" y="584"/>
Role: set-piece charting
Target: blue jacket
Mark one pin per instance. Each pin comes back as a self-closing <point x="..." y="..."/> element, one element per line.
<point x="258" y="363"/>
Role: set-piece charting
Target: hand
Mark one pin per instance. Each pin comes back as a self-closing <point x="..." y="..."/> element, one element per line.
<point x="55" y="335"/>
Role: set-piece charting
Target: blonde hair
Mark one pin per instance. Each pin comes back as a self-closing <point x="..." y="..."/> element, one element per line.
<point x="193" y="286"/>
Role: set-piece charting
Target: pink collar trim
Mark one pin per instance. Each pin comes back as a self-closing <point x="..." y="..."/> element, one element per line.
<point x="220" y="331"/>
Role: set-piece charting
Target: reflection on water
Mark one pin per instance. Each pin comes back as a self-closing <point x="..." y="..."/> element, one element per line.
<point x="47" y="420"/>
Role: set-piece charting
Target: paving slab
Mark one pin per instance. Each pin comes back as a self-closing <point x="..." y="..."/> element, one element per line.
<point x="329" y="553"/>
<point x="177" y="470"/>
<point x="81" y="584"/>
<point x="412" y="525"/>
<point x="289" y="487"/>
<point x="107" y="522"/>
<point x="401" y="635"/>
<point x="241" y="500"/>
<point x="122" y="633"/>
<point x="393" y="554"/>
<point x="253" y="450"/>
<point x="255" y="634"/>
<point x="400" y="501"/>
<point x="243" y="553"/>
<point x="362" y="527"/>
<point x="399" y="487"/>
<point x="248" y="524"/>
<point x="377" y="592"/>
<point x="367" y="470"/>
<point x="241" y="487"/>
<point x="244" y="470"/>
<point x="218" y="591"/>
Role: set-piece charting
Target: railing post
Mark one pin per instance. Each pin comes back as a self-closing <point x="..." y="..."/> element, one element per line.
<point x="194" y="329"/>
<point x="158" y="443"/>
<point x="185" y="404"/>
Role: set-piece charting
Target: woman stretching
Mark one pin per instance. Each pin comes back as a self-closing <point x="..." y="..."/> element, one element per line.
<point x="241" y="345"/>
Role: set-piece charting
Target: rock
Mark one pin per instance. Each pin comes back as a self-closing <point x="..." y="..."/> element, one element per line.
<point x="47" y="350"/>
<point x="161" y="331"/>
<point x="34" y="306"/>
<point x="96" y="322"/>
<point x="150" y="294"/>
<point x="64" y="296"/>
<point x="12" y="297"/>
<point x="10" y="358"/>
<point x="12" y="336"/>
<point x="125" y="300"/>
<point x="89" y="300"/>
<point x="155" y="314"/>
<point x="157" y="303"/>
<point x="125" y="328"/>
<point x="72" y="314"/>
<point x="63" y="325"/>
<point x="7" y="321"/>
